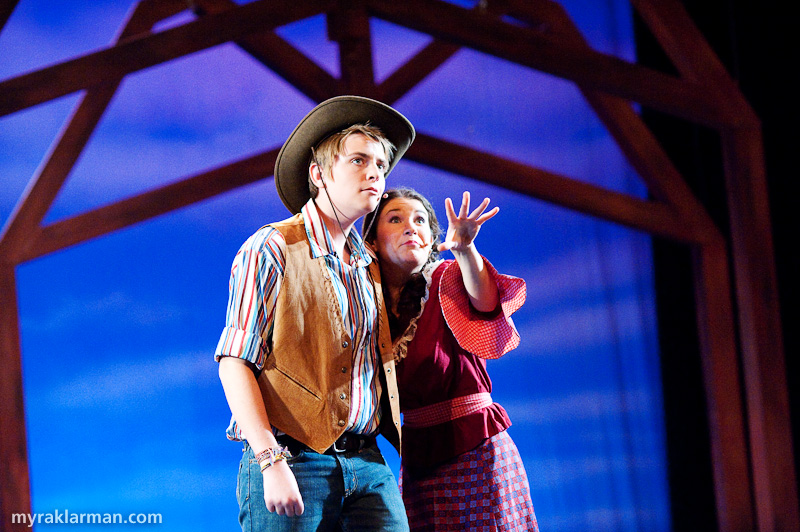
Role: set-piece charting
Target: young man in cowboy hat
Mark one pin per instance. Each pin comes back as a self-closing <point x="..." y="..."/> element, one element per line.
<point x="305" y="358"/>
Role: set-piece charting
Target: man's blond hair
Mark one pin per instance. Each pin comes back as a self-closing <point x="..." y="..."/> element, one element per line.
<point x="325" y="153"/>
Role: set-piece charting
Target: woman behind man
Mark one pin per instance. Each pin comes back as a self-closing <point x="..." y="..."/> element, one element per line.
<point x="460" y="469"/>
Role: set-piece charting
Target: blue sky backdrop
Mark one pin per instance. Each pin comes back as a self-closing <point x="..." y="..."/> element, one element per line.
<point x="125" y="412"/>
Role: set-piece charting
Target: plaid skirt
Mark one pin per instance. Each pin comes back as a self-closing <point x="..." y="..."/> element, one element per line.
<point x="482" y="490"/>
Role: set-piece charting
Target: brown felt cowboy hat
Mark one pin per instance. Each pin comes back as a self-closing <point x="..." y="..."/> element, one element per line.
<point x="329" y="117"/>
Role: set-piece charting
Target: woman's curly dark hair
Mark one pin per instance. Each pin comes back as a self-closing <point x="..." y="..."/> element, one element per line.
<point x="411" y="295"/>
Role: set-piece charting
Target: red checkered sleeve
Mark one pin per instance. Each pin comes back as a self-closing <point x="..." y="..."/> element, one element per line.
<point x="487" y="335"/>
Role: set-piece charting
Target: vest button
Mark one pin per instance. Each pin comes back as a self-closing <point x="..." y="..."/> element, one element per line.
<point x="341" y="423"/>
<point x="344" y="370"/>
<point x="344" y="344"/>
<point x="343" y="396"/>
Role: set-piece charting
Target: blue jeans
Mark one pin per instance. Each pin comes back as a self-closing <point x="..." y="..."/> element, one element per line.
<point x="347" y="492"/>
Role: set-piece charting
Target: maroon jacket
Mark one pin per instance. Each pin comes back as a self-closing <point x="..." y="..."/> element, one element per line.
<point x="446" y="359"/>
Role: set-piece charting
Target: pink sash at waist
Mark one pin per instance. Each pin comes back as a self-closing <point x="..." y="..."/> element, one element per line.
<point x="436" y="414"/>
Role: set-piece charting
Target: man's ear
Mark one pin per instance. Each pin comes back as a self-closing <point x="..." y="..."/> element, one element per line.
<point x="315" y="173"/>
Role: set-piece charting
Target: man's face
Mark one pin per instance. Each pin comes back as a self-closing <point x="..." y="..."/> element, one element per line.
<point x="357" y="177"/>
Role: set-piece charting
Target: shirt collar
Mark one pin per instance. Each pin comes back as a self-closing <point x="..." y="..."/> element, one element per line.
<point x="320" y="239"/>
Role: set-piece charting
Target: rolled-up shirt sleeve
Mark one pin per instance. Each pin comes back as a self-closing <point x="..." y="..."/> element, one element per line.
<point x="255" y="281"/>
<point x="487" y="335"/>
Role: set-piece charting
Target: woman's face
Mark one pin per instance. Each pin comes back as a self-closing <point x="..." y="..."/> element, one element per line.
<point x="403" y="234"/>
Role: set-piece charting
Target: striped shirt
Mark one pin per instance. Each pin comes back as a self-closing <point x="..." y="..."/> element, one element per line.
<point x="256" y="277"/>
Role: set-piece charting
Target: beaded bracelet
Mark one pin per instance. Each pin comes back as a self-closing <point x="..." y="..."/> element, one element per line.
<point x="271" y="456"/>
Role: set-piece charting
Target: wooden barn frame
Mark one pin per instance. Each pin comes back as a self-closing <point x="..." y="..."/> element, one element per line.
<point x="735" y="286"/>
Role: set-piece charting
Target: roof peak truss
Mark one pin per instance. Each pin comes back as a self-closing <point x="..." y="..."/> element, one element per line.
<point x="550" y="42"/>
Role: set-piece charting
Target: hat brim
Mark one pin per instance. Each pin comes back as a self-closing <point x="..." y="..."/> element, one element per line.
<point x="329" y="117"/>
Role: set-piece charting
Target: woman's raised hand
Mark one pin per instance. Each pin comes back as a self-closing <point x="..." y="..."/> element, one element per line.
<point x="463" y="228"/>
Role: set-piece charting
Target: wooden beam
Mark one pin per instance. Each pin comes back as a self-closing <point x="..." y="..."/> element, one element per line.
<point x="280" y="56"/>
<point x="691" y="54"/>
<point x="589" y="199"/>
<point x="716" y="328"/>
<point x="760" y="332"/>
<point x="142" y="52"/>
<point x="348" y="25"/>
<point x="686" y="47"/>
<point x="52" y="173"/>
<point x="537" y="14"/>
<point x="648" y="158"/>
<point x="292" y="65"/>
<point x="422" y="64"/>
<point x="416" y="69"/>
<point x="6" y="8"/>
<point x="14" y="484"/>
<point x="147" y="13"/>
<point x="124" y="213"/>
<point x="535" y="49"/>
<point x="712" y="284"/>
<point x="769" y="419"/>
<point x="634" y="138"/>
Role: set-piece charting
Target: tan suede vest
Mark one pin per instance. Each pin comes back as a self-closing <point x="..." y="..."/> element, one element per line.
<point x="305" y="381"/>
